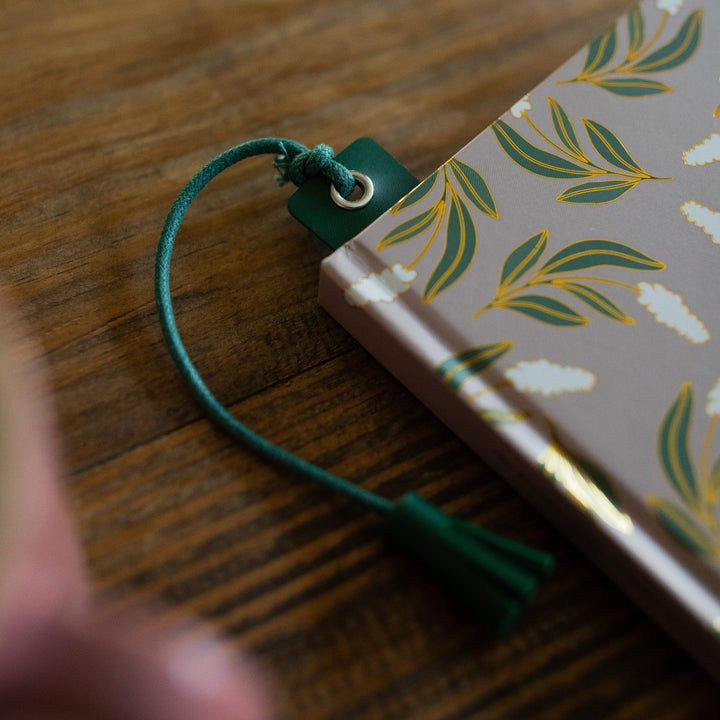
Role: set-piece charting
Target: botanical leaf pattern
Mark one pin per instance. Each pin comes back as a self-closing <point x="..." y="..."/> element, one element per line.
<point x="569" y="286"/>
<point x="632" y="87"/>
<point x="691" y="519"/>
<point x="601" y="51"/>
<point x="678" y="51"/>
<point x="673" y="447"/>
<point x="597" y="192"/>
<point x="522" y="259"/>
<point x="416" y="195"/>
<point x="545" y="309"/>
<point x="560" y="273"/>
<point x="682" y="526"/>
<point x="714" y="483"/>
<point x="452" y="211"/>
<point x="460" y="245"/>
<point x="636" y="31"/>
<point x="586" y="254"/>
<point x="641" y="57"/>
<point x="565" y="130"/>
<point x="475" y="188"/>
<point x="592" y="298"/>
<point x="569" y="161"/>
<point x="462" y="366"/>
<point x="410" y="228"/>
<point x="534" y="159"/>
<point x="609" y="147"/>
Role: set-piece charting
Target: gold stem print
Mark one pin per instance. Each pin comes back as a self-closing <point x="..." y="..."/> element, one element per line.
<point x="690" y="517"/>
<point x="705" y="479"/>
<point x="489" y="389"/>
<point x="614" y="173"/>
<point x="442" y="204"/>
<point x="536" y="281"/>
<point x="464" y="191"/>
<point x="563" y="273"/>
<point x="622" y="67"/>
<point x="594" y="170"/>
<point x="572" y="155"/>
<point x="630" y="78"/>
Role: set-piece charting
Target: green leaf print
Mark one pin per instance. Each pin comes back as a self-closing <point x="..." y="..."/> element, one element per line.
<point x="544" y="309"/>
<point x="534" y="159"/>
<point x="460" y="246"/>
<point x="417" y="194"/>
<point x="601" y="51"/>
<point x="636" y="31"/>
<point x="682" y="526"/>
<point x="694" y="521"/>
<point x="632" y="87"/>
<point x="522" y="259"/>
<point x="410" y="228"/>
<point x="450" y="212"/>
<point x="570" y="161"/>
<point x="642" y="56"/>
<point x="678" y="51"/>
<point x="675" y="458"/>
<point x="462" y="366"/>
<point x="594" y="299"/>
<point x="475" y="188"/>
<point x="714" y="484"/>
<point x="594" y="253"/>
<point x="609" y="147"/>
<point x="565" y="130"/>
<point x="516" y="292"/>
<point x="597" y="192"/>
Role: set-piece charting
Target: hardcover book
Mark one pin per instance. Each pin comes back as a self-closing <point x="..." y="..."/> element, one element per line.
<point x="551" y="293"/>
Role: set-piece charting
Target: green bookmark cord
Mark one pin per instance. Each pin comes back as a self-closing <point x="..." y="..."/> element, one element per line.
<point x="492" y="575"/>
<point x="296" y="163"/>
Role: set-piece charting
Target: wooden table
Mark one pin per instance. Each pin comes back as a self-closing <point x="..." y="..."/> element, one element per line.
<point x="107" y="109"/>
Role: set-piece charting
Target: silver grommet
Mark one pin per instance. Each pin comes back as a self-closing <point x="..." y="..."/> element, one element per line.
<point x="367" y="187"/>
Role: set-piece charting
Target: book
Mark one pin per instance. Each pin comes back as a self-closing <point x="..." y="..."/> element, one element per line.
<point x="551" y="294"/>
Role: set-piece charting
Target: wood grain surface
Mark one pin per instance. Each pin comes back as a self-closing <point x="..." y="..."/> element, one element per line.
<point x="107" y="109"/>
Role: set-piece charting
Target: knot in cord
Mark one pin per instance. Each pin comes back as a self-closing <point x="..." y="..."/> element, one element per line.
<point x="494" y="575"/>
<point x="299" y="167"/>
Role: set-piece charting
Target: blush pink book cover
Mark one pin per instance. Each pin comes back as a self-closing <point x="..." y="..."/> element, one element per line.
<point x="551" y="293"/>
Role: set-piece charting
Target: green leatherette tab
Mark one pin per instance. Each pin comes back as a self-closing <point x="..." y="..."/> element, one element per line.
<point x="314" y="208"/>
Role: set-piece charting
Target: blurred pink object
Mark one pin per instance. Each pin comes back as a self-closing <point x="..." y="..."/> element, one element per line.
<point x="58" y="659"/>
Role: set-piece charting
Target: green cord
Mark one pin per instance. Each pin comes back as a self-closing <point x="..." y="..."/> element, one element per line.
<point x="492" y="575"/>
<point x="296" y="163"/>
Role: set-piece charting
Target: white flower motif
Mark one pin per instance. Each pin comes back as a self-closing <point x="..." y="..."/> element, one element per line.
<point x="704" y="218"/>
<point x="521" y="107"/>
<point x="380" y="287"/>
<point x="669" y="309"/>
<point x="671" y="6"/>
<point x="713" y="400"/>
<point x="704" y="152"/>
<point x="547" y="378"/>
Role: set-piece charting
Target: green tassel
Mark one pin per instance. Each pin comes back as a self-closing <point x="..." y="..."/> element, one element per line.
<point x="493" y="576"/>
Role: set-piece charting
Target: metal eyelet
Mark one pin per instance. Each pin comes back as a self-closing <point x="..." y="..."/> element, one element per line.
<point x="367" y="187"/>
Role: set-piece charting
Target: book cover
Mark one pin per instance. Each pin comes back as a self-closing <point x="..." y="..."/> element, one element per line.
<point x="551" y="293"/>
